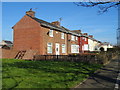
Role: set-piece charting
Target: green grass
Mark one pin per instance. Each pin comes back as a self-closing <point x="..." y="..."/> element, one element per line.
<point x="44" y="74"/>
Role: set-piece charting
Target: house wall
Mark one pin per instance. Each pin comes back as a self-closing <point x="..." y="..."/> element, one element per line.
<point x="95" y="44"/>
<point x="5" y="53"/>
<point x="28" y="35"/>
<point x="55" y="39"/>
<point x="106" y="46"/>
<point x="71" y="42"/>
<point x="82" y="42"/>
<point x="110" y="46"/>
<point x="98" y="45"/>
<point x="91" y="44"/>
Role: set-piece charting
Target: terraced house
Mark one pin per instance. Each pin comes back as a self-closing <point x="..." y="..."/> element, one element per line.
<point x="31" y="33"/>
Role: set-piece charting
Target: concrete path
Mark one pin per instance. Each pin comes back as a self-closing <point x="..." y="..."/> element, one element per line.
<point x="107" y="77"/>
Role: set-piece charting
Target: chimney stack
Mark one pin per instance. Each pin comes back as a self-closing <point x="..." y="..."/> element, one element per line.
<point x="30" y="13"/>
<point x="85" y="34"/>
<point x="57" y="23"/>
<point x="76" y="31"/>
<point x="91" y="36"/>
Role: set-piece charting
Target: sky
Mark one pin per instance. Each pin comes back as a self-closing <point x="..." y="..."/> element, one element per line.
<point x="103" y="27"/>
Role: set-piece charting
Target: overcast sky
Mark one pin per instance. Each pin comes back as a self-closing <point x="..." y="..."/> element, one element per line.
<point x="102" y="27"/>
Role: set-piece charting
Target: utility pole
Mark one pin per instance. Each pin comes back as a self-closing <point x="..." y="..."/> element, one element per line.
<point x="118" y="30"/>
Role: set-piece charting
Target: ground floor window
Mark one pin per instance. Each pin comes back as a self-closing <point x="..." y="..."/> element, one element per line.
<point x="86" y="47"/>
<point x="49" y="48"/>
<point x="63" y="48"/>
<point x="74" y="48"/>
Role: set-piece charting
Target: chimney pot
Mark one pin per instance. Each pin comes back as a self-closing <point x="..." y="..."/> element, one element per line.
<point x="85" y="34"/>
<point x="30" y="13"/>
<point x="91" y="36"/>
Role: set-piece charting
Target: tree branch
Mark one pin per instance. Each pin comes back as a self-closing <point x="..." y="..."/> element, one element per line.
<point x="103" y="6"/>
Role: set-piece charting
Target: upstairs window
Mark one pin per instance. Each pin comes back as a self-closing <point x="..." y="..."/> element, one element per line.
<point x="72" y="38"/>
<point x="49" y="48"/>
<point x="51" y="33"/>
<point x="83" y="38"/>
<point x="62" y="35"/>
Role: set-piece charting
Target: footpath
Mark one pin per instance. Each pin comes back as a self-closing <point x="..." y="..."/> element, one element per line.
<point x="108" y="77"/>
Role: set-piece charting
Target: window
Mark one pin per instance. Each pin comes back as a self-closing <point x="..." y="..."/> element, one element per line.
<point x="74" y="48"/>
<point x="62" y="36"/>
<point x="86" y="47"/>
<point x="72" y="37"/>
<point x="63" y="48"/>
<point x="85" y="39"/>
<point x="51" y="33"/>
<point x="76" y="38"/>
<point x="49" y="47"/>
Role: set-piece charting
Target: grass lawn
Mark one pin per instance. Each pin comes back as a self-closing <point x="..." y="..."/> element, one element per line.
<point x="44" y="74"/>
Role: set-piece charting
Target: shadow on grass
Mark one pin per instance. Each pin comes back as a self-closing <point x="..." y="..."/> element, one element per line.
<point x="52" y="67"/>
<point x="60" y="68"/>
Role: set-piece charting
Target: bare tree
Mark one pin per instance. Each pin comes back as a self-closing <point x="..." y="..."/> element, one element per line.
<point x="103" y="5"/>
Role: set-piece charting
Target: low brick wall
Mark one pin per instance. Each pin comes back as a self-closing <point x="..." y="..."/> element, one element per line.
<point x="29" y="54"/>
<point x="8" y="53"/>
<point x="74" y="58"/>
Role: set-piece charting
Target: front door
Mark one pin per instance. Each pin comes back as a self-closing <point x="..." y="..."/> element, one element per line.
<point x="57" y="49"/>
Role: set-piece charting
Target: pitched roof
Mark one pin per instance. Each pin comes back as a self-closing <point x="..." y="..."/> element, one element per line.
<point x="52" y="26"/>
<point x="8" y="42"/>
<point x="76" y="31"/>
<point x="47" y="24"/>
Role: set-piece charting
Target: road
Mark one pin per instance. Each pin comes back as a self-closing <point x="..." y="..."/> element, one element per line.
<point x="107" y="77"/>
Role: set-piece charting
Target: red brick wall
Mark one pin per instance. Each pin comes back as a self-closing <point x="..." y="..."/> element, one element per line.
<point x="82" y="42"/>
<point x="55" y="39"/>
<point x="28" y="35"/>
<point x="8" y="53"/>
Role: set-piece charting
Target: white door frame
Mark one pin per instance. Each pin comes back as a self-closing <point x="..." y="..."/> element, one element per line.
<point x="57" y="49"/>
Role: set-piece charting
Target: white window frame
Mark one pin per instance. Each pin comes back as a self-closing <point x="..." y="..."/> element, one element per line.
<point x="76" y="38"/>
<point x="74" y="48"/>
<point x="63" y="48"/>
<point x="62" y="36"/>
<point x="86" y="47"/>
<point x="48" y="46"/>
<point x="85" y="39"/>
<point x="51" y="33"/>
<point x="72" y="37"/>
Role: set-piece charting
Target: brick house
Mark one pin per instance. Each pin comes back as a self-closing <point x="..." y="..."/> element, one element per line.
<point x="31" y="33"/>
<point x="82" y="41"/>
<point x="91" y="43"/>
<point x="73" y="44"/>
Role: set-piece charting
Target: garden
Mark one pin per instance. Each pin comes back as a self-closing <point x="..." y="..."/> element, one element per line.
<point x="44" y="74"/>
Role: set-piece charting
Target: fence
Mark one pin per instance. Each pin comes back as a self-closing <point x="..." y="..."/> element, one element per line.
<point x="74" y="58"/>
